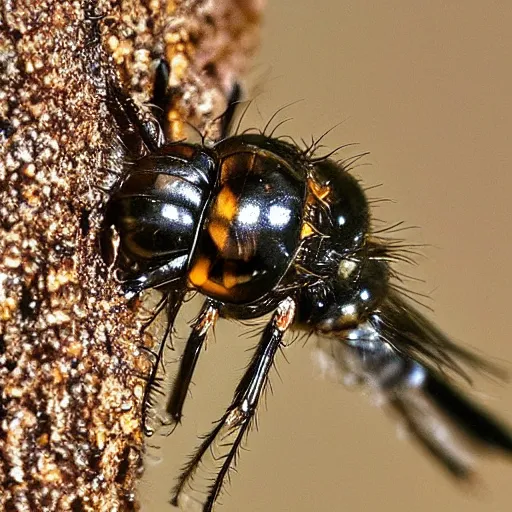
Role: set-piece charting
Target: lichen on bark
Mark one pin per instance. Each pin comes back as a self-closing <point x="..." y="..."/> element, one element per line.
<point x="72" y="374"/>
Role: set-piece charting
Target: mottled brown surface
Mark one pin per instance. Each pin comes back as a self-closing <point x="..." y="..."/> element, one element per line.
<point x="70" y="368"/>
<point x="208" y="45"/>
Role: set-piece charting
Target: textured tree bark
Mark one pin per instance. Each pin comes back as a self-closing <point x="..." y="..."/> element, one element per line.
<point x="72" y="374"/>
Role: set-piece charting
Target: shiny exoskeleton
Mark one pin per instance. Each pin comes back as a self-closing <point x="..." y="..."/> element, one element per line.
<point x="258" y="225"/>
<point x="247" y="223"/>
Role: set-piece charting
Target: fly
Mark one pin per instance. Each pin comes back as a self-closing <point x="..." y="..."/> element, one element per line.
<point x="259" y="226"/>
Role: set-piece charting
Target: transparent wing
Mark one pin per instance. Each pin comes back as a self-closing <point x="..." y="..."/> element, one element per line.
<point x="412" y="367"/>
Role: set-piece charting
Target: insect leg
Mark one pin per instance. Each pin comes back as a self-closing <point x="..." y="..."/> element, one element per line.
<point x="164" y="275"/>
<point x="173" y="304"/>
<point x="227" y="116"/>
<point x="224" y="440"/>
<point x="205" y="321"/>
<point x="135" y="129"/>
<point x="160" y="100"/>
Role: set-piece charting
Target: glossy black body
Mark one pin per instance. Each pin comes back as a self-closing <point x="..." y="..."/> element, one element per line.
<point x="229" y="221"/>
<point x="156" y="212"/>
<point x="344" y="217"/>
<point x="252" y="227"/>
<point x="342" y="304"/>
<point x="257" y="226"/>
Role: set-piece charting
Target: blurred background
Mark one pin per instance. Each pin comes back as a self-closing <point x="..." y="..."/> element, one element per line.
<point x="426" y="88"/>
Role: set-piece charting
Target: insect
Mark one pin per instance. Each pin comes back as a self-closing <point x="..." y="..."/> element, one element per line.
<point x="259" y="227"/>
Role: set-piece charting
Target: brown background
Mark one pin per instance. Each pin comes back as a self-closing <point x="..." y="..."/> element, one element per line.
<point x="426" y="87"/>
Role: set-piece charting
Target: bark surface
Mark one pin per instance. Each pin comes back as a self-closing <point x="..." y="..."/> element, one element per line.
<point x="72" y="374"/>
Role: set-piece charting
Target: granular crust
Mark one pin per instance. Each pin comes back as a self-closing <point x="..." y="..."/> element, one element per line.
<point x="72" y="374"/>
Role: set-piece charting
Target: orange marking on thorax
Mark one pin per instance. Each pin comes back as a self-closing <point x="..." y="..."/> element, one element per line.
<point x="198" y="275"/>
<point x="319" y="191"/>
<point x="226" y="204"/>
<point x="229" y="280"/>
<point x="219" y="233"/>
<point x="307" y="230"/>
<point x="230" y="277"/>
<point x="224" y="210"/>
<point x="214" y="289"/>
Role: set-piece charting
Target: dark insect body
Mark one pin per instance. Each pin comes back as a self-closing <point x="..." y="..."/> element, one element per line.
<point x="259" y="226"/>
